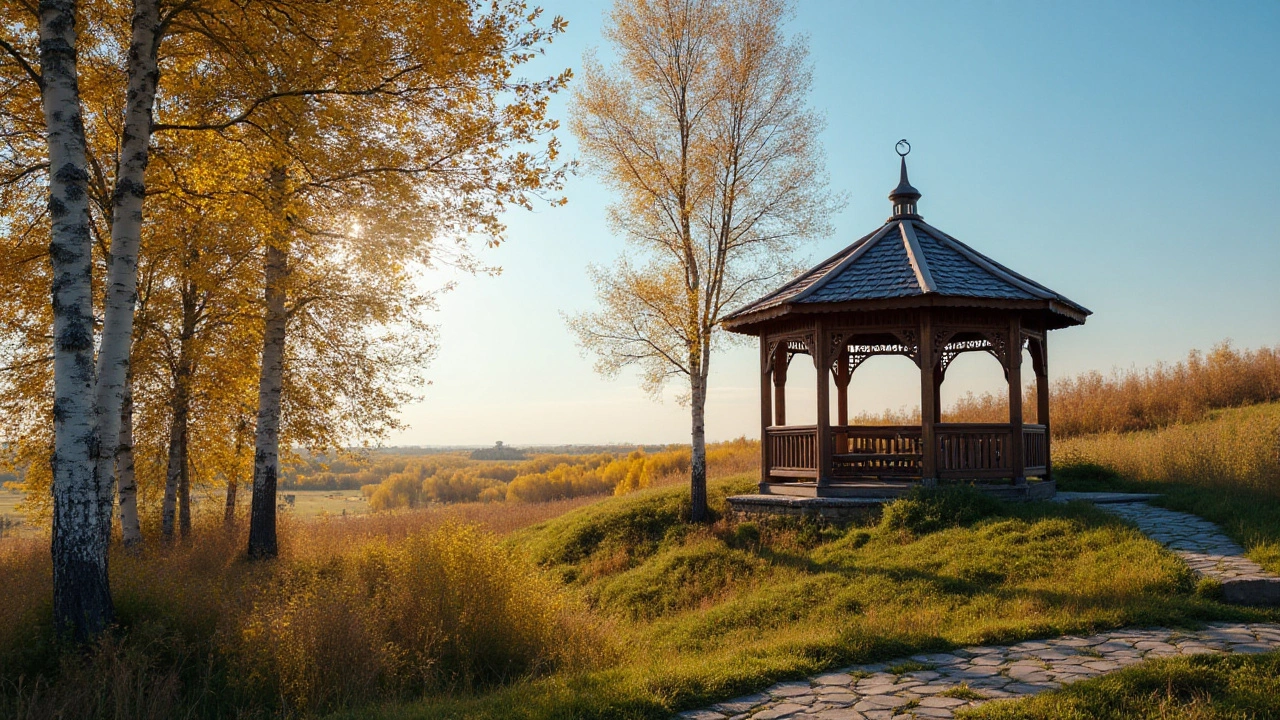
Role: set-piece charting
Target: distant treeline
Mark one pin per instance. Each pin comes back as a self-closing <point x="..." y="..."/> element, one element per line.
<point x="546" y="477"/>
<point x="354" y="470"/>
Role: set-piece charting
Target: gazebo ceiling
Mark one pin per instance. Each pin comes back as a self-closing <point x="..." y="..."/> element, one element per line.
<point x="907" y="263"/>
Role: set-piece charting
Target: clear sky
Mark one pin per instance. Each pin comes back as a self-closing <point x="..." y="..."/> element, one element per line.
<point x="1125" y="154"/>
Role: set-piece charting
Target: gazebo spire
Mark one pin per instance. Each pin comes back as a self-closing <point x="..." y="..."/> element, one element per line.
<point x="904" y="197"/>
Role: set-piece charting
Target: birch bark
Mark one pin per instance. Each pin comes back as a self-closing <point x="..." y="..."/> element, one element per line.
<point x="81" y="593"/>
<point x="142" y="69"/>
<point x="698" y="456"/>
<point x="266" y="450"/>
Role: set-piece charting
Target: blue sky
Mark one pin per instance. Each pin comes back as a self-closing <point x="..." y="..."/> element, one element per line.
<point x="1124" y="154"/>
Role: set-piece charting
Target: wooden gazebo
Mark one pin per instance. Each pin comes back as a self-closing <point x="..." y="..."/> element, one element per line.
<point x="905" y="289"/>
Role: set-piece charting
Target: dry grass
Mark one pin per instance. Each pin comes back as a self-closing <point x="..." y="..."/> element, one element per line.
<point x="1130" y="400"/>
<point x="1235" y="449"/>
<point x="353" y="612"/>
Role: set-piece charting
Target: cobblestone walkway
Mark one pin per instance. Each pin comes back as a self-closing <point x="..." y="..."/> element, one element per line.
<point x="936" y="685"/>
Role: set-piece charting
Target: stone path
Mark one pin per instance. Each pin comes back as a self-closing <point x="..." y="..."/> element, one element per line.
<point x="1200" y="543"/>
<point x="936" y="685"/>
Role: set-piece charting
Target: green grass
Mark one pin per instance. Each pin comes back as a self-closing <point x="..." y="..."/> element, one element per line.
<point x="702" y="614"/>
<point x="1200" y="687"/>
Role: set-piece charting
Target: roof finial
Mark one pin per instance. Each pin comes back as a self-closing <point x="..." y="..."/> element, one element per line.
<point x="904" y="196"/>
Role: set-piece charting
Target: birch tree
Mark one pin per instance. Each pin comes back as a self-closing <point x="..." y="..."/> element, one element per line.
<point x="81" y="594"/>
<point x="702" y="130"/>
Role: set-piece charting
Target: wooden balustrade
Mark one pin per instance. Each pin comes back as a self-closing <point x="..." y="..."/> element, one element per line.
<point x="877" y="451"/>
<point x="894" y="452"/>
<point x="974" y="450"/>
<point x="1035" y="448"/>
<point x="793" y="451"/>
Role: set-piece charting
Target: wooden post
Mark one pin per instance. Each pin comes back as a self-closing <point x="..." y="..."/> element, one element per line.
<point x="1042" y="397"/>
<point x="937" y="393"/>
<point x="928" y="401"/>
<point x="823" y="363"/>
<point x="780" y="384"/>
<point x="842" y="399"/>
<point x="766" y="412"/>
<point x="1015" y="401"/>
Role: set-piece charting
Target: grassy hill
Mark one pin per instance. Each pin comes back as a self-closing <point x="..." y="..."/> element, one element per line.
<point x="691" y="615"/>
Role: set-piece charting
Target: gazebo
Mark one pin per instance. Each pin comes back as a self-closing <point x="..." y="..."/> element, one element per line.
<point x="907" y="288"/>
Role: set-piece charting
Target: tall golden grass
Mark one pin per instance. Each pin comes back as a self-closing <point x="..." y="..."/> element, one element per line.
<point x="1159" y="396"/>
<point x="1236" y="448"/>
<point x="351" y="613"/>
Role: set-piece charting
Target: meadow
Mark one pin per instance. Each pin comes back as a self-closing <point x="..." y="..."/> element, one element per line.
<point x="611" y="605"/>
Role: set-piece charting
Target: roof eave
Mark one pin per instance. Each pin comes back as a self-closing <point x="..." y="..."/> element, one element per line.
<point x="749" y="323"/>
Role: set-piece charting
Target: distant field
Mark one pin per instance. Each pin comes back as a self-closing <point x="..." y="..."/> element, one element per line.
<point x="11" y="521"/>
<point x="318" y="503"/>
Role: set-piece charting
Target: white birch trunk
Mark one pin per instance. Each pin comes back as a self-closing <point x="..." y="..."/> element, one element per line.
<point x="121" y="289"/>
<point x="81" y="593"/>
<point x="130" y="531"/>
<point x="698" y="441"/>
<point x="266" y="450"/>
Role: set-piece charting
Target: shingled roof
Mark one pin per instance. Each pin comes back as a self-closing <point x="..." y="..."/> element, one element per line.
<point x="908" y="259"/>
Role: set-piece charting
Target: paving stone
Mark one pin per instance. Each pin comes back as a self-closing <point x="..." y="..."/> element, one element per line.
<point x="833" y="679"/>
<point x="941" y="702"/>
<point x="703" y="715"/>
<point x="782" y="690"/>
<point x="840" y="714"/>
<point x="779" y="711"/>
<point x="881" y="702"/>
<point x="741" y="704"/>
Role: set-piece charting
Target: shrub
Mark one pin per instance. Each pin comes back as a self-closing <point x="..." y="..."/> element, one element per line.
<point x="446" y="608"/>
<point x="926" y="510"/>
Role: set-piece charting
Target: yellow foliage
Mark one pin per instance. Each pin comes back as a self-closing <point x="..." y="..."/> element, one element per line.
<point x="547" y="477"/>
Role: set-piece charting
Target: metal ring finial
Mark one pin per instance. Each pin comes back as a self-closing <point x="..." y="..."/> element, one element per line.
<point x="899" y="148"/>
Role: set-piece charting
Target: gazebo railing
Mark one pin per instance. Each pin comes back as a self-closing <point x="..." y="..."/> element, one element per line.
<point x="793" y="451"/>
<point x="889" y="452"/>
<point x="1035" y="449"/>
<point x="974" y="450"/>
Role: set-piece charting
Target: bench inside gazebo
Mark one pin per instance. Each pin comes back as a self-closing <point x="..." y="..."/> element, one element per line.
<point x="905" y="289"/>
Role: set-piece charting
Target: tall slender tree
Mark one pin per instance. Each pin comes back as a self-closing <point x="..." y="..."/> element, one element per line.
<point x="702" y="129"/>
<point x="81" y="594"/>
